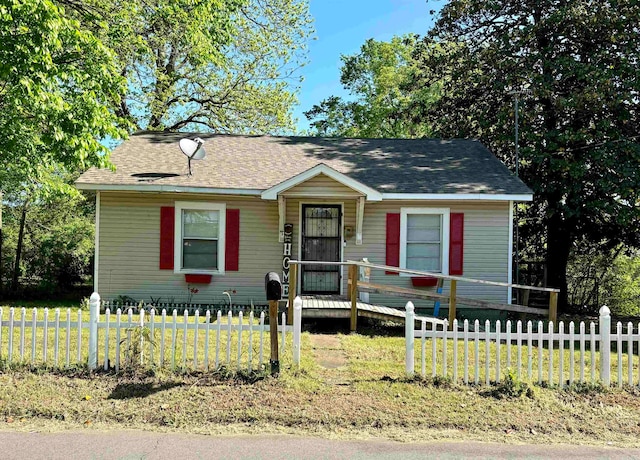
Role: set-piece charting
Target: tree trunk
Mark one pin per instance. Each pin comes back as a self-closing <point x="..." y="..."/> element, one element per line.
<point x="16" y="266"/>
<point x="558" y="248"/>
<point x="1" y="272"/>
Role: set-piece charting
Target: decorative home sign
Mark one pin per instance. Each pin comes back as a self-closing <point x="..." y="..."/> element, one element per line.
<point x="286" y="257"/>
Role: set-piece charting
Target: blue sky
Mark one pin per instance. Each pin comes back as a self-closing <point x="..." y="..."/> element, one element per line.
<point x="342" y="26"/>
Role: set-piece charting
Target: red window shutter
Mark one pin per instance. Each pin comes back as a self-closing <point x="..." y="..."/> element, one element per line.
<point x="456" y="243"/>
<point x="167" y="231"/>
<point x="393" y="241"/>
<point x="232" y="241"/>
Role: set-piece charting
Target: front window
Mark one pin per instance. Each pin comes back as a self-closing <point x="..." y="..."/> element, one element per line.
<point x="424" y="235"/>
<point x="199" y="237"/>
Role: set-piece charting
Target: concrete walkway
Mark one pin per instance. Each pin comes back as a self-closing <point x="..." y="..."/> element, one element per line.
<point x="130" y="445"/>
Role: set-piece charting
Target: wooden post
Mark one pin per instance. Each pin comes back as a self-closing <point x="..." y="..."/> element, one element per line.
<point x="452" y="303"/>
<point x="293" y="278"/>
<point x="273" y="333"/>
<point x="553" y="307"/>
<point x="353" y="294"/>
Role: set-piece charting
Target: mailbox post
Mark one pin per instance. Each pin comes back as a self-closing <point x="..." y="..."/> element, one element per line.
<point x="273" y="289"/>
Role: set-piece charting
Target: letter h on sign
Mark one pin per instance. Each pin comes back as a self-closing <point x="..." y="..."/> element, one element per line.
<point x="286" y="257"/>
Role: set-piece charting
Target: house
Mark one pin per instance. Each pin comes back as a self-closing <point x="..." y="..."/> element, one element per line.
<point x="436" y="205"/>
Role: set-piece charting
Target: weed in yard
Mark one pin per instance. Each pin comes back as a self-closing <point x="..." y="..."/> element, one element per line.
<point x="442" y="382"/>
<point x="134" y="342"/>
<point x="586" y="388"/>
<point x="85" y="303"/>
<point x="510" y="387"/>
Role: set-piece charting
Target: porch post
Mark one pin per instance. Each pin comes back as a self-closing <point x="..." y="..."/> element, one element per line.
<point x="452" y="302"/>
<point x="282" y="213"/>
<point x="359" y="219"/>
<point x="353" y="293"/>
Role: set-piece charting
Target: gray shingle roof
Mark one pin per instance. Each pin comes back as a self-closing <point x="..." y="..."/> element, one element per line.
<point x="260" y="162"/>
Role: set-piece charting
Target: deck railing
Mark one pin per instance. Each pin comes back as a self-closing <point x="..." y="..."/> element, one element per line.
<point x="356" y="285"/>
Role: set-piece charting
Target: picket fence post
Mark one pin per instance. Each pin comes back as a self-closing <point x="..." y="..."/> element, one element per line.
<point x="297" y="325"/>
<point x="409" y="338"/>
<point x="94" y="312"/>
<point x="605" y="346"/>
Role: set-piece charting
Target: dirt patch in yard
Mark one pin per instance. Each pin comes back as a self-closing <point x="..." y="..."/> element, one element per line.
<point x="328" y="351"/>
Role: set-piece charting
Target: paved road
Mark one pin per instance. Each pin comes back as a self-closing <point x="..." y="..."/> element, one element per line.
<point x="134" y="445"/>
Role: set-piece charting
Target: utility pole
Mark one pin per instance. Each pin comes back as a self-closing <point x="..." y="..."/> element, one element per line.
<point x="516" y="94"/>
<point x="515" y="213"/>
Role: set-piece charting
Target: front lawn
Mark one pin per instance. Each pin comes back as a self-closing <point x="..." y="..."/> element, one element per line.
<point x="369" y="397"/>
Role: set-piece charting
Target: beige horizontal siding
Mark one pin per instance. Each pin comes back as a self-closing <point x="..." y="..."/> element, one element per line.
<point x="130" y="249"/>
<point x="321" y="184"/>
<point x="486" y="238"/>
<point x="130" y="240"/>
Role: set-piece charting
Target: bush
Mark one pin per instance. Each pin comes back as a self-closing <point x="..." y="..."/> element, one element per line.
<point x="611" y="279"/>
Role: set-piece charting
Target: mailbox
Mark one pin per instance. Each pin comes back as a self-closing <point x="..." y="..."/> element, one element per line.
<point x="272" y="286"/>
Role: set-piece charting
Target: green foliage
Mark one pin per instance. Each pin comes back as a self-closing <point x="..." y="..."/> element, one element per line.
<point x="85" y="304"/>
<point x="58" y="240"/>
<point x="376" y="79"/>
<point x="574" y="66"/>
<point x="206" y="65"/>
<point x="587" y="388"/>
<point x="610" y="278"/>
<point x="511" y="387"/>
<point x="623" y="287"/>
<point x="133" y="346"/>
<point x="57" y="83"/>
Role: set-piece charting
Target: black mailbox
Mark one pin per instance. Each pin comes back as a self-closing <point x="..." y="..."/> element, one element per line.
<point x="272" y="286"/>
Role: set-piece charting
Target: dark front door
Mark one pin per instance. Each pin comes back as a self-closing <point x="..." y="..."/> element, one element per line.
<point x="321" y="241"/>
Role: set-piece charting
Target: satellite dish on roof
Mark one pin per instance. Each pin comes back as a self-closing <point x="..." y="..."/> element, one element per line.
<point x="193" y="149"/>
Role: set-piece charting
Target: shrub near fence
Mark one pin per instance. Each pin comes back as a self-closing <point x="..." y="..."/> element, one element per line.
<point x="196" y="341"/>
<point x="538" y="352"/>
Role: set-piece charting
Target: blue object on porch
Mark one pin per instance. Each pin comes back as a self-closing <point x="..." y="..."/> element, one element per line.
<point x="436" y="304"/>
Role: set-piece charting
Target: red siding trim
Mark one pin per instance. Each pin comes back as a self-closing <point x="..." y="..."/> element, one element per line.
<point x="456" y="243"/>
<point x="393" y="241"/>
<point x="167" y="231"/>
<point x="197" y="279"/>
<point x="232" y="241"/>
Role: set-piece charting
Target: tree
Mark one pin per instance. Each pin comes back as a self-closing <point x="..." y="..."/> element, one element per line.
<point x="48" y="241"/>
<point x="57" y="82"/>
<point x="375" y="79"/>
<point x="575" y="66"/>
<point x="57" y="85"/>
<point x="207" y="65"/>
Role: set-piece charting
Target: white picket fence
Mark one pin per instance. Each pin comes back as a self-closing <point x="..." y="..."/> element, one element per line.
<point x="544" y="354"/>
<point x="162" y="339"/>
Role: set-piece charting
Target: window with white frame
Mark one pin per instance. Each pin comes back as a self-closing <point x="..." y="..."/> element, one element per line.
<point x="424" y="239"/>
<point x="199" y="231"/>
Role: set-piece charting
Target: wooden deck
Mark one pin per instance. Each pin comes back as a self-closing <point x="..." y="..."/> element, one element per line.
<point x="320" y="306"/>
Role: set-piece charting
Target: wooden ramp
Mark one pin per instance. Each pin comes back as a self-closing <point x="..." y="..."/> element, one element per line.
<point x="339" y="307"/>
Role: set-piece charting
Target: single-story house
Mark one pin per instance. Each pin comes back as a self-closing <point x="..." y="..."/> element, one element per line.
<point x="254" y="201"/>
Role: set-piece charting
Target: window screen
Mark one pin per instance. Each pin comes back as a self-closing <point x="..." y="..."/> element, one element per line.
<point x="424" y="242"/>
<point x="200" y="234"/>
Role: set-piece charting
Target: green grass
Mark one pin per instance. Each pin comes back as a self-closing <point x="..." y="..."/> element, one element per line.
<point x="369" y="397"/>
<point x="175" y="356"/>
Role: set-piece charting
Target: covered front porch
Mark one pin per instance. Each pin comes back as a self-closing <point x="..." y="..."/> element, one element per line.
<point x="320" y="218"/>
